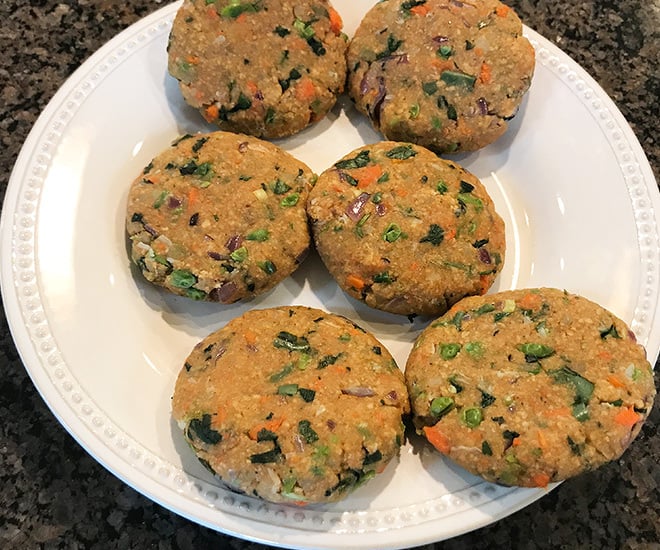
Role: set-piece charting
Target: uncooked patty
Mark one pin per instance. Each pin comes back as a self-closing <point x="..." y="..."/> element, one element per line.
<point x="268" y="68"/>
<point x="219" y="217"/>
<point x="530" y="386"/>
<point x="291" y="404"/>
<point x="405" y="231"/>
<point x="445" y="74"/>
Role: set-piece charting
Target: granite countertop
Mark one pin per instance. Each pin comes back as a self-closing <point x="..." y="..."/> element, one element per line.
<point x="54" y="495"/>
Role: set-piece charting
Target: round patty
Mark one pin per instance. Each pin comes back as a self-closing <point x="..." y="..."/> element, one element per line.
<point x="267" y="68"/>
<point x="530" y="386"/>
<point x="291" y="404"/>
<point x="443" y="74"/>
<point x="405" y="231"/>
<point x="219" y="217"/>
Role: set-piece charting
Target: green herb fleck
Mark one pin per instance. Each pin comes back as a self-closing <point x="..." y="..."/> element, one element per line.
<point x="201" y="427"/>
<point x="307" y="432"/>
<point x="435" y="235"/>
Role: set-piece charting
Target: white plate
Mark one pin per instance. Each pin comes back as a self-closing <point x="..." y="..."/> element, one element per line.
<point x="103" y="347"/>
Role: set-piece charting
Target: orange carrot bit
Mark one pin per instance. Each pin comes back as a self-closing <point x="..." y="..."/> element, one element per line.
<point x="450" y="234"/>
<point x="627" y="417"/>
<point x="543" y="441"/>
<point x="211" y="113"/>
<point x="502" y="11"/>
<point x="420" y="9"/>
<point x="558" y="413"/>
<point x="192" y="59"/>
<point x="193" y="197"/>
<point x="616" y="381"/>
<point x="250" y="337"/>
<point x="530" y="301"/>
<point x="242" y="18"/>
<point x="438" y="439"/>
<point x="414" y="266"/>
<point x="252" y="87"/>
<point x="401" y="192"/>
<point x="604" y="355"/>
<point x="305" y="89"/>
<point x="484" y="282"/>
<point x="367" y="174"/>
<point x="516" y="442"/>
<point x="541" y="479"/>
<point x="271" y="425"/>
<point x="486" y="73"/>
<point x="336" y="23"/>
<point x="356" y="282"/>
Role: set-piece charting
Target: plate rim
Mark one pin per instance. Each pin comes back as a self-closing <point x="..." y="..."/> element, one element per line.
<point x="82" y="428"/>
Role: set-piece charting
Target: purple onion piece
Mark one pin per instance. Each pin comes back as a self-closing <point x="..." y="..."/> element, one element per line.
<point x="216" y="256"/>
<point x="242" y="146"/>
<point x="358" y="391"/>
<point x="259" y="96"/>
<point x="355" y="208"/>
<point x="484" y="256"/>
<point x="331" y="424"/>
<point x="173" y="202"/>
<point x="381" y="210"/>
<point x="440" y="39"/>
<point x="220" y="352"/>
<point x="483" y="106"/>
<point x="233" y="242"/>
<point x="457" y="4"/>
<point x="631" y="335"/>
<point x="393" y="396"/>
<point x="224" y="293"/>
<point x="150" y="230"/>
<point x="298" y="443"/>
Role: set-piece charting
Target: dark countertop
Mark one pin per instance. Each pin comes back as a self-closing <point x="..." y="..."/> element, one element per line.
<point x="54" y="495"/>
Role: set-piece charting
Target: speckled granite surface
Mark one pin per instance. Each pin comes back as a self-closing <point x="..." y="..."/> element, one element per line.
<point x="54" y="495"/>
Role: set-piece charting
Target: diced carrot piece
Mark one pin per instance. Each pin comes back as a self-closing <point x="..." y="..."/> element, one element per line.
<point x="516" y="441"/>
<point x="271" y="425"/>
<point x="486" y="73"/>
<point x="250" y="337"/>
<point x="252" y="87"/>
<point x="616" y="381"/>
<point x="305" y="89"/>
<point x="193" y="197"/>
<point x="627" y="417"/>
<point x="541" y="479"/>
<point x="559" y="412"/>
<point x="355" y="281"/>
<point x="336" y="23"/>
<point x="502" y="11"/>
<point x="485" y="282"/>
<point x="543" y="441"/>
<point x="367" y="174"/>
<point x="211" y="113"/>
<point x="438" y="439"/>
<point x="420" y="9"/>
<point x="530" y="301"/>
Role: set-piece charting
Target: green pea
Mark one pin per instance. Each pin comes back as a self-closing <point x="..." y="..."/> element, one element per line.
<point x="472" y="417"/>
<point x="449" y="351"/>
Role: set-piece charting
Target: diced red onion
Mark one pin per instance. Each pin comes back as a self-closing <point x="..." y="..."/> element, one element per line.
<point x="173" y="202"/>
<point x="483" y="106"/>
<point x="358" y="391"/>
<point x="233" y="242"/>
<point x="217" y="256"/>
<point x="381" y="210"/>
<point x="484" y="256"/>
<point x="440" y="39"/>
<point x="632" y="336"/>
<point x="224" y="293"/>
<point x="242" y="146"/>
<point x="150" y="230"/>
<point x="331" y="424"/>
<point x="356" y="207"/>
